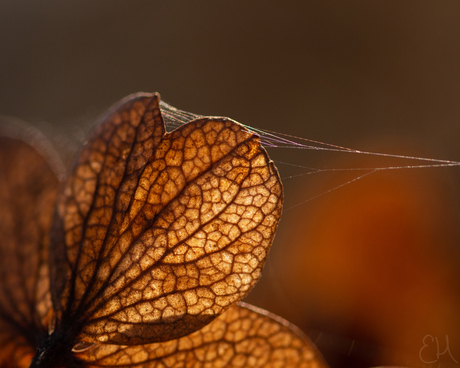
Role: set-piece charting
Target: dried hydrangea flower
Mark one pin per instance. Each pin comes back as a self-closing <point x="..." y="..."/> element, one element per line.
<point x="153" y="238"/>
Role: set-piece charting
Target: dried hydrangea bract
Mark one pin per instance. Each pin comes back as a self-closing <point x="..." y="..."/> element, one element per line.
<point x="27" y="193"/>
<point x="241" y="337"/>
<point x="154" y="239"/>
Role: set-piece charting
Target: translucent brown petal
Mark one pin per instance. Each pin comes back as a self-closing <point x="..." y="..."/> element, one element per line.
<point x="162" y="232"/>
<point x="15" y="350"/>
<point x="241" y="337"/>
<point x="28" y="188"/>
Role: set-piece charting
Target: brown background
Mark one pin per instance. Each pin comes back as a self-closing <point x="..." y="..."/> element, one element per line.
<point x="367" y="270"/>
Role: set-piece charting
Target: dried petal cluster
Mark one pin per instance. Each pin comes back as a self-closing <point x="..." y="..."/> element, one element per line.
<point x="152" y="239"/>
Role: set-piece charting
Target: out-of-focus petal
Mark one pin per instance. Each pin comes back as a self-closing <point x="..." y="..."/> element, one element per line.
<point x="28" y="188"/>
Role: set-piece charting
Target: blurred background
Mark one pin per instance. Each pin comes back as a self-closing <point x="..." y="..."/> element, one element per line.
<point x="369" y="271"/>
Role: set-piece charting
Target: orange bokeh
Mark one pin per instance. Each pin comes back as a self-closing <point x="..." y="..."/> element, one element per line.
<point x="371" y="260"/>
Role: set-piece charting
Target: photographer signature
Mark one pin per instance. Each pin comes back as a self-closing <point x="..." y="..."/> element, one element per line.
<point x="428" y="341"/>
